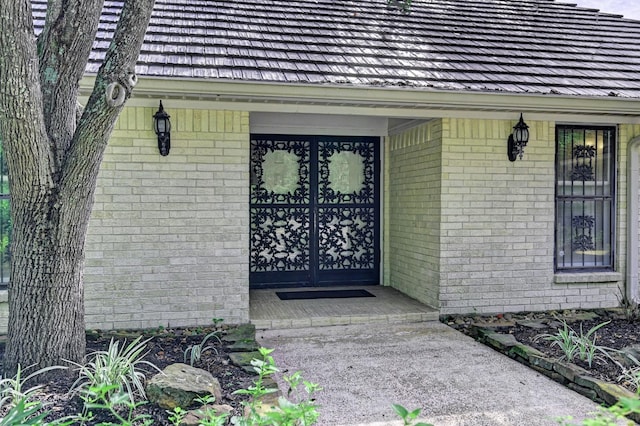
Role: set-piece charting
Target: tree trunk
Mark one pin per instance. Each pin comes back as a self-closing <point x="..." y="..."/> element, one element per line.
<point x="46" y="291"/>
<point x="53" y="161"/>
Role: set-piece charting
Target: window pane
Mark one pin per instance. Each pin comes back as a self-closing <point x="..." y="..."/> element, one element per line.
<point x="584" y="198"/>
<point x="584" y="233"/>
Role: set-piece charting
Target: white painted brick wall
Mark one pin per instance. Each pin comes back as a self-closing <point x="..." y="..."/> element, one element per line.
<point x="498" y="224"/>
<point x="413" y="205"/>
<point x="464" y="227"/>
<point x="494" y="218"/>
<point x="168" y="238"/>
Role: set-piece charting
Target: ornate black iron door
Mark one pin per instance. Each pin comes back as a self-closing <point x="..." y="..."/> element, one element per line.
<point x="314" y="211"/>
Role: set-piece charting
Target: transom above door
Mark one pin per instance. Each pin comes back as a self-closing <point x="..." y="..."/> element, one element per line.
<point x="314" y="211"/>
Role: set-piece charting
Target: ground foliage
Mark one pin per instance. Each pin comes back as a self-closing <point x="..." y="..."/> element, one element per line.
<point x="623" y="331"/>
<point x="167" y="346"/>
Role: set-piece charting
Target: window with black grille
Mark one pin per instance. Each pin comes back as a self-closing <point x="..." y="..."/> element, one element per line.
<point x="585" y="191"/>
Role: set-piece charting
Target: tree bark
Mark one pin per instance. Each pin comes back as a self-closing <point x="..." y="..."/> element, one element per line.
<point x="53" y="161"/>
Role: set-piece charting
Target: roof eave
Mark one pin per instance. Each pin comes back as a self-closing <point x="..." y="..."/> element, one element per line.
<point x="377" y="101"/>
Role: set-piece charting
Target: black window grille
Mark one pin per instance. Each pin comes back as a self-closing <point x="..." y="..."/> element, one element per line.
<point x="585" y="191"/>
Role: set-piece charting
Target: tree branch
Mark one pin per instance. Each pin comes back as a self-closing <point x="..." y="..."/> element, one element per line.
<point x="63" y="50"/>
<point x="113" y="86"/>
<point x="22" y="124"/>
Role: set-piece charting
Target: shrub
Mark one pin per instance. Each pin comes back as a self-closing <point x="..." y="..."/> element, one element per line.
<point x="117" y="368"/>
<point x="579" y="345"/>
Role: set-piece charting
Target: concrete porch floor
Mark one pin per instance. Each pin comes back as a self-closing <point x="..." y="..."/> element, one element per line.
<point x="267" y="311"/>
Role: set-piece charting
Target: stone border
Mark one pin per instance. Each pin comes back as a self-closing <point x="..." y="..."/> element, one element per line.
<point x="570" y="375"/>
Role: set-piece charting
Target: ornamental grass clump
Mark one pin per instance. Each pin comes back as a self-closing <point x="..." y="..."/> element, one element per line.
<point x="14" y="390"/>
<point x="194" y="352"/>
<point x="579" y="345"/>
<point x="19" y="404"/>
<point x="118" y="368"/>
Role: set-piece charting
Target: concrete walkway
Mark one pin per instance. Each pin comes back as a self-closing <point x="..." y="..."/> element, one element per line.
<point x="363" y="369"/>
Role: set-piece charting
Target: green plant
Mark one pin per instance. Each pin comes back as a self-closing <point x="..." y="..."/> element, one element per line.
<point x="194" y="352"/>
<point x="211" y="418"/>
<point x="287" y="413"/>
<point x="581" y="345"/>
<point x="263" y="367"/>
<point x="158" y="330"/>
<point x="116" y="369"/>
<point x="208" y="417"/>
<point x="205" y="399"/>
<point x="563" y="339"/>
<point x="630" y="309"/>
<point x="24" y="412"/>
<point x="408" y="417"/>
<point x="112" y="399"/>
<point x="12" y="389"/>
<point x="588" y="350"/>
<point x="631" y="376"/>
<point x="176" y="416"/>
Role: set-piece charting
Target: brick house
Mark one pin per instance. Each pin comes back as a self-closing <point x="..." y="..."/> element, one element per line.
<point x="320" y="143"/>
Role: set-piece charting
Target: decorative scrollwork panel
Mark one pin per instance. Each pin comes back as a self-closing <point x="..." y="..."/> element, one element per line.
<point x="279" y="239"/>
<point x="346" y="238"/>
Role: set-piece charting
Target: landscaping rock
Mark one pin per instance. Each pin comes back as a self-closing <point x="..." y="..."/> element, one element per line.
<point x="542" y="362"/>
<point x="588" y="382"/>
<point x="180" y="384"/>
<point x="267" y="403"/>
<point x="488" y="323"/>
<point x="196" y="417"/>
<point x="580" y="316"/>
<point x="611" y="393"/>
<point x="525" y="352"/>
<point x="244" y="346"/>
<point x="589" y="393"/>
<point x="243" y="332"/>
<point x="500" y="341"/>
<point x="535" y="324"/>
<point x="459" y="321"/>
<point x="573" y="376"/>
<point x="243" y="360"/>
<point x="569" y="371"/>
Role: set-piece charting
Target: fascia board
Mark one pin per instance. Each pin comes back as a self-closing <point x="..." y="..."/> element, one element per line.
<point x="389" y="102"/>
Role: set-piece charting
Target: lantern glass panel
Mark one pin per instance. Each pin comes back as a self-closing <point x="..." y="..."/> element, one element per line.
<point x="521" y="135"/>
<point x="161" y="125"/>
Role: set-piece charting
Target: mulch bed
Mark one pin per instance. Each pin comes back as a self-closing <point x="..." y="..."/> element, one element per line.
<point x="623" y="331"/>
<point x="165" y="347"/>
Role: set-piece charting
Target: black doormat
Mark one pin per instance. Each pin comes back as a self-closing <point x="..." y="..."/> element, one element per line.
<point x="323" y="294"/>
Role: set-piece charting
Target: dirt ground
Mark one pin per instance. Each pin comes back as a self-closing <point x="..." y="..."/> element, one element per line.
<point x="164" y="348"/>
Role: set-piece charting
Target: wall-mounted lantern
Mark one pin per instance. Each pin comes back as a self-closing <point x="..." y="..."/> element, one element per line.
<point x="518" y="140"/>
<point x="162" y="126"/>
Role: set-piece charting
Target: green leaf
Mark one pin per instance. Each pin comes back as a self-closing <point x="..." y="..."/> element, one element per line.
<point x="414" y="414"/>
<point x="402" y="412"/>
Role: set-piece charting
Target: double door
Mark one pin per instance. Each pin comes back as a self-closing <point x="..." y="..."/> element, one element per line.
<point x="314" y="211"/>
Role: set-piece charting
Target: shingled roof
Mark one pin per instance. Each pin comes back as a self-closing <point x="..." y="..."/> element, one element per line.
<point x="497" y="46"/>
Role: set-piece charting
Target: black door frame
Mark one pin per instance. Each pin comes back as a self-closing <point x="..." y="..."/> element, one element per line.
<point x="314" y="276"/>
